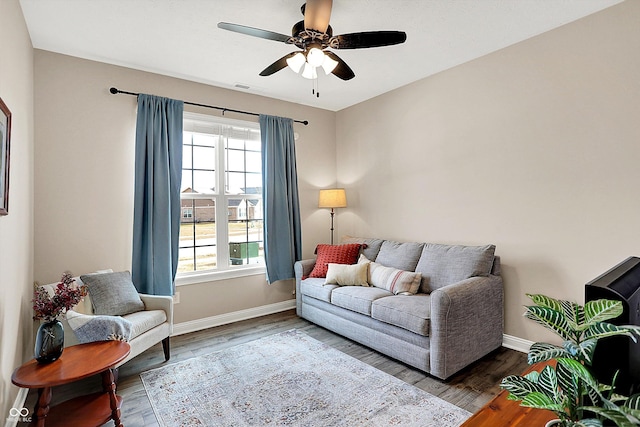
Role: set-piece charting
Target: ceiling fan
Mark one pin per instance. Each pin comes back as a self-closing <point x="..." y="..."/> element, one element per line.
<point x="315" y="37"/>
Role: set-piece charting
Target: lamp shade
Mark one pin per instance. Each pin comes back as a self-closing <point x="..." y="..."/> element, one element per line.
<point x="332" y="198"/>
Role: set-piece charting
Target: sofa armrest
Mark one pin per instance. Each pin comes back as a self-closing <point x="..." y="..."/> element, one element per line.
<point x="302" y="269"/>
<point x="159" y="302"/>
<point x="467" y="322"/>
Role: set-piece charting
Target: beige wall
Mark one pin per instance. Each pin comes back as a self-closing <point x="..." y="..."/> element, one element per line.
<point x="16" y="229"/>
<point x="534" y="148"/>
<point x="84" y="173"/>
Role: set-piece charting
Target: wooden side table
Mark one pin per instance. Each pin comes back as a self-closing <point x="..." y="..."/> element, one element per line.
<point x="77" y="362"/>
<point x="501" y="412"/>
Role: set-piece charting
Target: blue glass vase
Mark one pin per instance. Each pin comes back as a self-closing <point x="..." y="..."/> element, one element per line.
<point x="49" y="342"/>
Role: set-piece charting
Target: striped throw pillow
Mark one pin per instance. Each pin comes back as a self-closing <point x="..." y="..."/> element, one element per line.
<point x="398" y="282"/>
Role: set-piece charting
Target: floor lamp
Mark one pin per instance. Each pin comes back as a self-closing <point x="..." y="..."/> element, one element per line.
<point x="332" y="198"/>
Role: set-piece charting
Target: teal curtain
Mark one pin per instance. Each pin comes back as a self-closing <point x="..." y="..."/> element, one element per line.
<point x="281" y="207"/>
<point x="156" y="210"/>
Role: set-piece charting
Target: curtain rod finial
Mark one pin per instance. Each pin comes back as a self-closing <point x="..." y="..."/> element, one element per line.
<point x="113" y="90"/>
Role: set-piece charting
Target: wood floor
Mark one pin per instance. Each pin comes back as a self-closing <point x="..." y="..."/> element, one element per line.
<point x="469" y="389"/>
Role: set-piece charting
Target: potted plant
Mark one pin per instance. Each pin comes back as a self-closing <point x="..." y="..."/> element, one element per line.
<point x="567" y="387"/>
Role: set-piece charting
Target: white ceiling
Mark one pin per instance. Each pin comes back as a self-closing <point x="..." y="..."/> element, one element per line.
<point x="180" y="38"/>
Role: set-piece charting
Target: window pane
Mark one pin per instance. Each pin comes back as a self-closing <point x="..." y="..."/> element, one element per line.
<point x="187" y="183"/>
<point x="235" y="143"/>
<point x="245" y="232"/>
<point x="204" y="158"/>
<point x="253" y="162"/>
<point x="204" y="139"/>
<point x="206" y="258"/>
<point x="204" y="181"/>
<point x="197" y="235"/>
<point x="253" y="183"/>
<point x="254" y="145"/>
<point x="185" y="260"/>
<point x="235" y="182"/>
<point x="186" y="157"/>
<point x="205" y="232"/>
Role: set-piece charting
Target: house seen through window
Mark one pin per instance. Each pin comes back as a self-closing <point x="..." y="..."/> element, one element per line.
<point x="221" y="195"/>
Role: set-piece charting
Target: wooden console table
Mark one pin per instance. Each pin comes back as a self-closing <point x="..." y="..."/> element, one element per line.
<point x="77" y="362"/>
<point x="501" y="412"/>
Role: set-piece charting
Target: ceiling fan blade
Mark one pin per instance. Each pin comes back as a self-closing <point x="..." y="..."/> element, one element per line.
<point x="367" y="39"/>
<point x="342" y="70"/>
<point x="277" y="66"/>
<point x="317" y="14"/>
<point x="255" y="32"/>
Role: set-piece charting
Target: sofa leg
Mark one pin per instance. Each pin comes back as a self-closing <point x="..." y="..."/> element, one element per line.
<point x="167" y="349"/>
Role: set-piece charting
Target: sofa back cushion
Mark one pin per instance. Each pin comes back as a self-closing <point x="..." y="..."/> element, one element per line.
<point x="403" y="256"/>
<point x="370" y="247"/>
<point x="443" y="265"/>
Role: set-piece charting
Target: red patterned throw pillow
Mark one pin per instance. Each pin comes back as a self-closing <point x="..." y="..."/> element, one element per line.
<point x="335" y="254"/>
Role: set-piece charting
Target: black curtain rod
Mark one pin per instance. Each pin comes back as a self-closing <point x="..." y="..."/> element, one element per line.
<point x="114" y="91"/>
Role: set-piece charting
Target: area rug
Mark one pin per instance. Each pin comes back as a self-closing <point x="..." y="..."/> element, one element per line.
<point x="289" y="379"/>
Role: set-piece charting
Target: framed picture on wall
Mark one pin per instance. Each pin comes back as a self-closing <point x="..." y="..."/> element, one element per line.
<point x="5" y="140"/>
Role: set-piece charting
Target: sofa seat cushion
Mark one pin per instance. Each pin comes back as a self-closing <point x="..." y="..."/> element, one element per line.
<point x="315" y="288"/>
<point x="357" y="298"/>
<point x="143" y="321"/>
<point x="411" y="312"/>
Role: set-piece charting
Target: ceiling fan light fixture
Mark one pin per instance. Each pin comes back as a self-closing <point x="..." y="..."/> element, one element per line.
<point x="309" y="72"/>
<point x="315" y="57"/>
<point x="296" y="62"/>
<point x="328" y="65"/>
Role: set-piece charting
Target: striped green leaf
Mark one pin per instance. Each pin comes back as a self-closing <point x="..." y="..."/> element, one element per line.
<point x="551" y="319"/>
<point x="574" y="315"/>
<point x="633" y="402"/>
<point x="567" y="381"/>
<point x="601" y="310"/>
<point x="603" y="329"/>
<point x="548" y="380"/>
<point x="542" y="401"/>
<point x="542" y="351"/>
<point x="589" y="422"/>
<point x="519" y="387"/>
<point x="545" y="301"/>
<point x="587" y="348"/>
<point x="618" y="417"/>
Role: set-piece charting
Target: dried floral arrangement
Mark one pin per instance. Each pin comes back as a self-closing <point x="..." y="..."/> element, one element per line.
<point x="67" y="294"/>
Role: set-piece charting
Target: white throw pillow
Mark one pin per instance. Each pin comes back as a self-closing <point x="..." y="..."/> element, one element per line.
<point x="347" y="274"/>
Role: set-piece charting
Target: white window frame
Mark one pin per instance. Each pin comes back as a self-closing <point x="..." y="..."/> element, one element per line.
<point x="203" y="123"/>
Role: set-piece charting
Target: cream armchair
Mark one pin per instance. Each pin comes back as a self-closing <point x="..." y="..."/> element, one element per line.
<point x="148" y="327"/>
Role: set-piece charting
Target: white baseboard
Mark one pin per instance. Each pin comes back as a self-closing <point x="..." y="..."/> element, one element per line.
<point x="236" y="316"/>
<point x="516" y="343"/>
<point x="18" y="404"/>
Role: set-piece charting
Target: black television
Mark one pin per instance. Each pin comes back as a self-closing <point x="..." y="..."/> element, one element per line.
<point x="620" y="283"/>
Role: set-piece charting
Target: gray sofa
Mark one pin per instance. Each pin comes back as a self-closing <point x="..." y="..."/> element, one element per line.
<point x="454" y="319"/>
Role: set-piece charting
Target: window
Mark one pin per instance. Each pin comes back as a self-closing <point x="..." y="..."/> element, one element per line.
<point x="221" y="196"/>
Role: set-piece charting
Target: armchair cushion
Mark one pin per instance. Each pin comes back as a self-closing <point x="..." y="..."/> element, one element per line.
<point x="143" y="321"/>
<point x="113" y="293"/>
